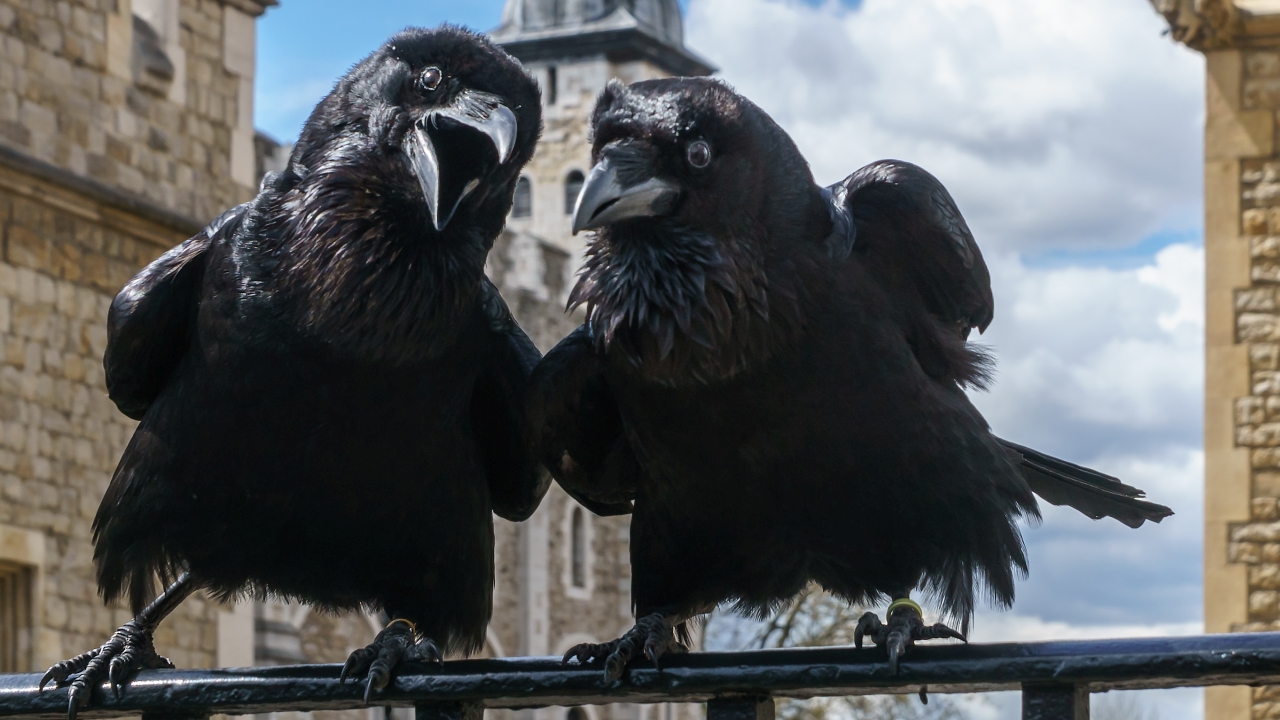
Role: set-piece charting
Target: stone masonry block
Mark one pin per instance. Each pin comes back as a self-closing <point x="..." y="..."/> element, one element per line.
<point x="1264" y="435"/>
<point x="1264" y="605"/>
<point x="1262" y="356"/>
<point x="1254" y="221"/>
<point x="1261" y="299"/>
<point x="1257" y="327"/>
<point x="1250" y="411"/>
<point x="1262" y="64"/>
<point x="1264" y="577"/>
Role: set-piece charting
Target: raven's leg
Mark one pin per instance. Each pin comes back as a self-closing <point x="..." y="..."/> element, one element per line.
<point x="398" y="642"/>
<point x="653" y="634"/>
<point x="905" y="626"/>
<point x="129" y="650"/>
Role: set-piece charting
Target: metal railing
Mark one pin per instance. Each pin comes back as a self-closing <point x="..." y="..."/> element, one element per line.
<point x="1056" y="679"/>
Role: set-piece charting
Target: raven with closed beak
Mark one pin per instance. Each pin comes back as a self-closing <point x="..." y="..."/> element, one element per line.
<point x="327" y="385"/>
<point x="772" y="374"/>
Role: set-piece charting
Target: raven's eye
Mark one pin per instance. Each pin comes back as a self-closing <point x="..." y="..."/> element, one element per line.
<point x="431" y="77"/>
<point x="699" y="153"/>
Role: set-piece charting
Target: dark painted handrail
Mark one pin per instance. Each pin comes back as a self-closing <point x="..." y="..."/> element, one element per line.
<point x="1050" y="673"/>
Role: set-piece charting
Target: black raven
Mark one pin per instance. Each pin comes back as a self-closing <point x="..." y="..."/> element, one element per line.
<point x="774" y="374"/>
<point x="328" y="386"/>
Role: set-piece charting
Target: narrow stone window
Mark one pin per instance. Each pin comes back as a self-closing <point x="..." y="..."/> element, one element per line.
<point x="152" y="68"/>
<point x="15" y="617"/>
<point x="155" y="40"/>
<point x="572" y="187"/>
<point x="578" y="554"/>
<point x="551" y="85"/>
<point x="522" y="207"/>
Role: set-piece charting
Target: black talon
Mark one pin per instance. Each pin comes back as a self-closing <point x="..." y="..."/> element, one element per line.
<point x="128" y="650"/>
<point x="900" y="633"/>
<point x="431" y="653"/>
<point x="652" y="636"/>
<point x="76" y="699"/>
<point x="394" y="645"/>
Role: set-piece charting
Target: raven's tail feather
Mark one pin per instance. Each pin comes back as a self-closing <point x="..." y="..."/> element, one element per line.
<point x="1089" y="491"/>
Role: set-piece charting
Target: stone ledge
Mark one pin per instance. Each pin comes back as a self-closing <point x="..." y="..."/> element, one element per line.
<point x="92" y="200"/>
<point x="253" y="8"/>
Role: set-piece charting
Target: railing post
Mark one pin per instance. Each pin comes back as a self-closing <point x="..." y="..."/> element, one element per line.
<point x="448" y="711"/>
<point x="1056" y="701"/>
<point x="740" y="708"/>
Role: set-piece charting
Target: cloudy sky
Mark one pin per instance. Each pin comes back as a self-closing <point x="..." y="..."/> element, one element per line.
<point x="1069" y="134"/>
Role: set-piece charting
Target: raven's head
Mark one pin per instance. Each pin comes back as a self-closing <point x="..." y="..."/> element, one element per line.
<point x="401" y="180"/>
<point x="442" y="110"/>
<point x="698" y="198"/>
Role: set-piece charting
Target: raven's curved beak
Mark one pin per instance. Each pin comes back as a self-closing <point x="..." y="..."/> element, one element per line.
<point x="451" y="148"/>
<point x="622" y="185"/>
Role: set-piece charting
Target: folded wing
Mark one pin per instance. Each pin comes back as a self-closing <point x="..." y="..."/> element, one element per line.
<point x="516" y="483"/>
<point x="576" y="428"/>
<point x="151" y="319"/>
<point x="902" y="226"/>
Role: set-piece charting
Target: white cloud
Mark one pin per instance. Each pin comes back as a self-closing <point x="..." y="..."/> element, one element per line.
<point x="1053" y="124"/>
<point x="1111" y="358"/>
<point x="1023" y="628"/>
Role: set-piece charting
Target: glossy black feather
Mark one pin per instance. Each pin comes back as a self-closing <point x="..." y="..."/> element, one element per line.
<point x="329" y="389"/>
<point x="785" y="366"/>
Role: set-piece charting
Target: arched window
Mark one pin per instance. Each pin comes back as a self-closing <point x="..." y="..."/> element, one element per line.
<point x="578" y="550"/>
<point x="575" y="713"/>
<point x="522" y="207"/>
<point x="572" y="187"/>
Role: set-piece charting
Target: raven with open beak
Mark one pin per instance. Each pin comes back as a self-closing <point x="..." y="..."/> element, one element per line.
<point x="327" y="385"/>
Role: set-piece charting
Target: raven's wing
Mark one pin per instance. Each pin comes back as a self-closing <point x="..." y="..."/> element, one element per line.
<point x="576" y="428"/>
<point x="901" y="224"/>
<point x="150" y="321"/>
<point x="516" y="483"/>
<point x="1089" y="491"/>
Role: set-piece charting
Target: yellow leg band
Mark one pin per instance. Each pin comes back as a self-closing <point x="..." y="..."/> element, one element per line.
<point x="903" y="603"/>
<point x="412" y="628"/>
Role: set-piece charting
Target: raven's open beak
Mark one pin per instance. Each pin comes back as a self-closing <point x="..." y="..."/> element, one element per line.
<point x="451" y="148"/>
<point x="622" y="186"/>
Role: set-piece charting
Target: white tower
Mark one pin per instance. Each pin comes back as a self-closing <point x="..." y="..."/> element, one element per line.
<point x="564" y="575"/>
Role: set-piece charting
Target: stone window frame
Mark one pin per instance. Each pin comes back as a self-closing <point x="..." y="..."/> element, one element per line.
<point x="515" y="199"/>
<point x="570" y="195"/>
<point x="585" y="591"/>
<point x="164" y="18"/>
<point x="24" y="548"/>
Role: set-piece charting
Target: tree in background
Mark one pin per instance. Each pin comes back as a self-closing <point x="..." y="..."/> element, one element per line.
<point x="815" y="618"/>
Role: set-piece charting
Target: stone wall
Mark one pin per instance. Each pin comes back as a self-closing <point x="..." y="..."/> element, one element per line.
<point x="108" y="157"/>
<point x="68" y="96"/>
<point x="1242" y="382"/>
<point x="60" y="436"/>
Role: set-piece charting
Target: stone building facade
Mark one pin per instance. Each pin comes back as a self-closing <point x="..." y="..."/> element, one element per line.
<point x="125" y="125"/>
<point x="1241" y="44"/>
